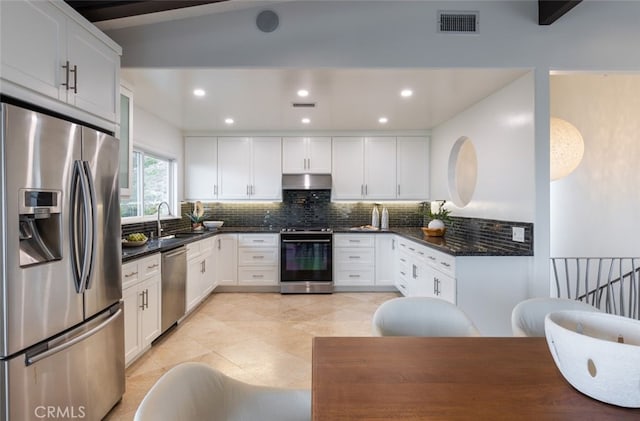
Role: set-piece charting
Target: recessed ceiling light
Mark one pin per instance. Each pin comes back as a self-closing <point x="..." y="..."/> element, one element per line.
<point x="303" y="93"/>
<point x="406" y="93"/>
<point x="306" y="120"/>
<point x="228" y="120"/>
<point x="383" y="120"/>
<point x="199" y="92"/>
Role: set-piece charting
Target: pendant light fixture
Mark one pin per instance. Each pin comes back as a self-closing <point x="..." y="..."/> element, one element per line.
<point x="567" y="148"/>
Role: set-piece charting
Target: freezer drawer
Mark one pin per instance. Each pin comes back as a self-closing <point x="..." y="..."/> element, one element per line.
<point x="83" y="380"/>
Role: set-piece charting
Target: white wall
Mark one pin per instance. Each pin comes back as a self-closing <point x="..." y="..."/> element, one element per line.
<point x="595" y="35"/>
<point x="501" y="128"/>
<point x="156" y="135"/>
<point x="595" y="210"/>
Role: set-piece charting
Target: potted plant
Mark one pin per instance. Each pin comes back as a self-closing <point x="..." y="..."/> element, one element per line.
<point x="438" y="215"/>
<point x="197" y="216"/>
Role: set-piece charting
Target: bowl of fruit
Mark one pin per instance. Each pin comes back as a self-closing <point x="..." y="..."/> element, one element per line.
<point x="136" y="239"/>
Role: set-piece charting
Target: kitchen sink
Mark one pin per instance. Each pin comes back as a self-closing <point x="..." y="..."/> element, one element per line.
<point x="180" y="235"/>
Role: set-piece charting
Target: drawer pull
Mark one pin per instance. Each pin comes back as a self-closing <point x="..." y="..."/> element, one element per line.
<point x="403" y="260"/>
<point x="354" y="257"/>
<point x="258" y="241"/>
<point x="259" y="257"/>
<point x="421" y="253"/>
<point x="354" y="241"/>
<point x="354" y="276"/>
<point x="128" y="275"/>
<point x="445" y="264"/>
<point x="402" y="273"/>
<point x="432" y="258"/>
<point x="257" y="276"/>
<point x="155" y="265"/>
<point x="412" y="249"/>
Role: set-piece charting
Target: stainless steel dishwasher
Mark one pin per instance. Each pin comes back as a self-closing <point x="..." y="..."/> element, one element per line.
<point x="174" y="284"/>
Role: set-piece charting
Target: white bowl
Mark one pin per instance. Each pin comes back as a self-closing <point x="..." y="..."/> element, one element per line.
<point x="585" y="346"/>
<point x="213" y="224"/>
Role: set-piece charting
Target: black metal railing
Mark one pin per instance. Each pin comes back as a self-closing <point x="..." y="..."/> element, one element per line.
<point x="611" y="284"/>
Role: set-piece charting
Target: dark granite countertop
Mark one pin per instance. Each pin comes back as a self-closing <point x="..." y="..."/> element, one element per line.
<point x="456" y="244"/>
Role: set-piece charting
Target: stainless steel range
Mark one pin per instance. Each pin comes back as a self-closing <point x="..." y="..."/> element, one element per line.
<point x="306" y="260"/>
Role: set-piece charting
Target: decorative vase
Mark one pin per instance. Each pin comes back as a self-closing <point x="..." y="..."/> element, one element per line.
<point x="435" y="228"/>
<point x="436" y="224"/>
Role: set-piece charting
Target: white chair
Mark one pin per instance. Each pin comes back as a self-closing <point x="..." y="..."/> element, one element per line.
<point x="527" y="317"/>
<point x="421" y="316"/>
<point x="197" y="392"/>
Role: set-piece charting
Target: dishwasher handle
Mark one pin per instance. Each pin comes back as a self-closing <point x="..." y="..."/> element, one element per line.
<point x="174" y="252"/>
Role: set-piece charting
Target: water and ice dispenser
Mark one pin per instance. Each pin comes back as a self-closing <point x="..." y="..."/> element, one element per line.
<point x="40" y="226"/>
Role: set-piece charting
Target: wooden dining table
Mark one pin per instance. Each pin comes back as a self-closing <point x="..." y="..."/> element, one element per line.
<point x="411" y="378"/>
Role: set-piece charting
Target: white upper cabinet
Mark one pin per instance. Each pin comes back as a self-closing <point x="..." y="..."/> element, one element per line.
<point x="412" y="168"/>
<point x="249" y="168"/>
<point x="364" y="168"/>
<point x="310" y="155"/>
<point x="51" y="56"/>
<point x="380" y="168"/>
<point x="348" y="168"/>
<point x="201" y="168"/>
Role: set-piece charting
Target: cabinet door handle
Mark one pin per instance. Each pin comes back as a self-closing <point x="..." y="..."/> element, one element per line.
<point x="361" y="189"/>
<point x="66" y="75"/>
<point x="146" y="298"/>
<point x="75" y="79"/>
<point x="415" y="271"/>
<point x="366" y="190"/>
<point x="393" y="244"/>
<point x="202" y="267"/>
<point x="398" y="189"/>
<point x="247" y="190"/>
<point x="215" y="189"/>
<point x="219" y="244"/>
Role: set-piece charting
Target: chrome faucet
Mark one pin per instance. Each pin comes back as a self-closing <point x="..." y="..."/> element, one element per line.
<point x="160" y="226"/>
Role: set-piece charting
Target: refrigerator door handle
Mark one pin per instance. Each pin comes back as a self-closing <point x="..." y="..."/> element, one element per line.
<point x="75" y="212"/>
<point x="49" y="352"/>
<point x="87" y="239"/>
<point x="91" y="225"/>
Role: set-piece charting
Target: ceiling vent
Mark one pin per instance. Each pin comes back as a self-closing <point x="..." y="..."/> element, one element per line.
<point x="303" y="104"/>
<point x="454" y="22"/>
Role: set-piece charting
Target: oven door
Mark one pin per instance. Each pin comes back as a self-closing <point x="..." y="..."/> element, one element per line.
<point x="306" y="257"/>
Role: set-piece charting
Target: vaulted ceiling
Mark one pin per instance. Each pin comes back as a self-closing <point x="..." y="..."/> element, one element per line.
<point x="101" y="10"/>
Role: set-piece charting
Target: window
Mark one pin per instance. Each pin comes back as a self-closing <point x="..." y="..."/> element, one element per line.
<point x="152" y="182"/>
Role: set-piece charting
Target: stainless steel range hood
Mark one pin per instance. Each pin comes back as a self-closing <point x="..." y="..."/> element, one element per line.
<point x="306" y="182"/>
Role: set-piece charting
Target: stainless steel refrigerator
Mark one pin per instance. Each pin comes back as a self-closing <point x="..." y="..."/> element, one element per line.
<point x="62" y="326"/>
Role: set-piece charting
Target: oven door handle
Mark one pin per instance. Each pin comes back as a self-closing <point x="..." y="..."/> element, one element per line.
<point x="306" y="241"/>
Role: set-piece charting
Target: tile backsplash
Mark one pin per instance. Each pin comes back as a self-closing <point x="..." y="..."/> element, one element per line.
<point x="303" y="208"/>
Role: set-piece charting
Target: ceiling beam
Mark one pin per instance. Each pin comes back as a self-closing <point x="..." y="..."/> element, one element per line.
<point x="98" y="10"/>
<point x="551" y="10"/>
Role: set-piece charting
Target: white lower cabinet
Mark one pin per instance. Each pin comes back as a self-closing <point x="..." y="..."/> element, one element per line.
<point x="258" y="259"/>
<point x="353" y="260"/>
<point x="225" y="250"/>
<point x="142" y="296"/>
<point x="385" y="259"/>
<point x="424" y="272"/>
<point x="200" y="272"/>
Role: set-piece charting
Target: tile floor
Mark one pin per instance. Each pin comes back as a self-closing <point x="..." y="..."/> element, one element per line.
<point x="260" y="338"/>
